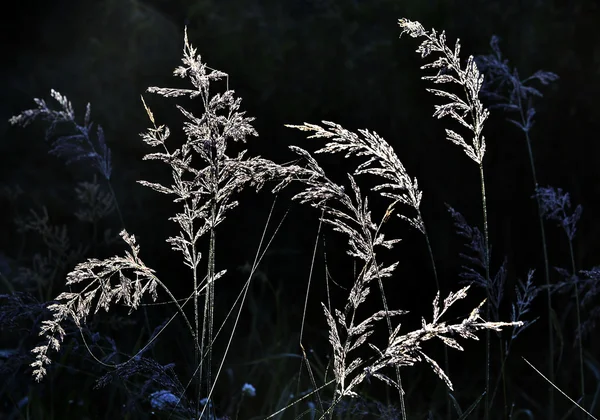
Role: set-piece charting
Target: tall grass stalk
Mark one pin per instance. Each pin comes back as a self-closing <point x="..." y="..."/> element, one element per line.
<point x="556" y="206"/>
<point x="578" y="319"/>
<point x="383" y="162"/>
<point x="498" y="76"/>
<point x="470" y="80"/>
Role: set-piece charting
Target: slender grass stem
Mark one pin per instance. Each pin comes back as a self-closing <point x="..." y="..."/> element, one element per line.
<point x="437" y="285"/>
<point x="578" y="314"/>
<point x="551" y="373"/>
<point x="487" y="303"/>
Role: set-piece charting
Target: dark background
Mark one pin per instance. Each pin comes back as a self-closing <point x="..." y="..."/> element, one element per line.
<point x="297" y="61"/>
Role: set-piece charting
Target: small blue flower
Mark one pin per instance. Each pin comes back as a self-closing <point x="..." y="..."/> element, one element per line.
<point x="248" y="390"/>
<point x="313" y="410"/>
<point x="162" y="399"/>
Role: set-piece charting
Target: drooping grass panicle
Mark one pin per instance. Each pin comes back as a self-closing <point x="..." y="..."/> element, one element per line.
<point x="134" y="280"/>
<point x="352" y="219"/>
<point x="406" y="350"/>
<point x="469" y="112"/>
<point x="381" y="160"/>
<point x="556" y="205"/>
<point x="507" y="90"/>
<point x="79" y="146"/>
